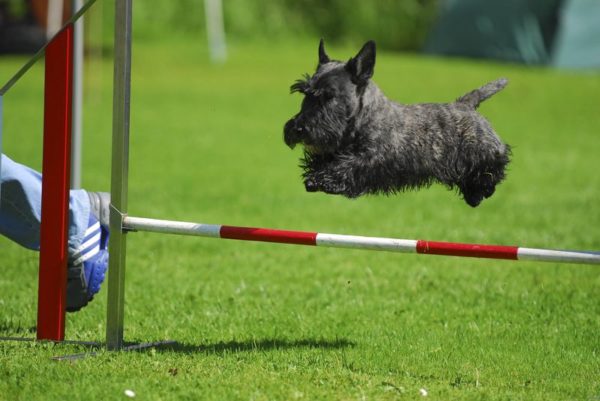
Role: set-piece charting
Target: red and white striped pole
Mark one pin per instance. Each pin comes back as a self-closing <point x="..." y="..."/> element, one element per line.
<point x="359" y="242"/>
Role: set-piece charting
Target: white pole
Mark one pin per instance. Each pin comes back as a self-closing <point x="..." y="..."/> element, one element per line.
<point x="54" y="17"/>
<point x="119" y="174"/>
<point x="76" y="128"/>
<point x="215" y="30"/>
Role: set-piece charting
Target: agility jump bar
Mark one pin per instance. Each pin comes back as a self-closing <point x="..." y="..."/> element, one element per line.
<point x="359" y="242"/>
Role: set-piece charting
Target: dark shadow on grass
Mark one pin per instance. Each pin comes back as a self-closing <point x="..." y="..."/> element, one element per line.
<point x="269" y="344"/>
<point x="221" y="348"/>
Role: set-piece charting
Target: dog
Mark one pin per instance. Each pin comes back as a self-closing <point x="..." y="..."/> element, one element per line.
<point x="357" y="141"/>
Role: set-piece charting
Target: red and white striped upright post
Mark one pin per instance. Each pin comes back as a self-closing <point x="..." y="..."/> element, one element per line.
<point x="56" y="171"/>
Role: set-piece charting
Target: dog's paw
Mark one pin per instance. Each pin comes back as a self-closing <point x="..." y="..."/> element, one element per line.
<point x="310" y="185"/>
<point x="480" y="187"/>
<point x="488" y="185"/>
<point x="473" y="199"/>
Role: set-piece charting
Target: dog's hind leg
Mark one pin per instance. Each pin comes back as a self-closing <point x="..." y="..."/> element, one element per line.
<point x="481" y="183"/>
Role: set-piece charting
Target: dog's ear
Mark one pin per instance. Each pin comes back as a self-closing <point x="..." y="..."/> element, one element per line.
<point x="323" y="57"/>
<point x="362" y="65"/>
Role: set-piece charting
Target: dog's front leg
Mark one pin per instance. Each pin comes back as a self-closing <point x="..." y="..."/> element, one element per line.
<point x="336" y="177"/>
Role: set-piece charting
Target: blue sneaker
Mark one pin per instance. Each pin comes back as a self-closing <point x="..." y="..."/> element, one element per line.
<point x="100" y="205"/>
<point x="87" y="266"/>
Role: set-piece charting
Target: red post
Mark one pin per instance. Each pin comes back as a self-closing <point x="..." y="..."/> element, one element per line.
<point x="52" y="285"/>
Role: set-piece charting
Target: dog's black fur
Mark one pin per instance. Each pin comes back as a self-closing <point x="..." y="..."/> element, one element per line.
<point x="357" y="141"/>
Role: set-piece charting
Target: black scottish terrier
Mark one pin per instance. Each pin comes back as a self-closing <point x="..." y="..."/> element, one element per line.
<point x="357" y="141"/>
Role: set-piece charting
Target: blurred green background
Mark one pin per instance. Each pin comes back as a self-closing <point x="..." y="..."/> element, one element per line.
<point x="549" y="32"/>
<point x="399" y="25"/>
<point x="274" y="322"/>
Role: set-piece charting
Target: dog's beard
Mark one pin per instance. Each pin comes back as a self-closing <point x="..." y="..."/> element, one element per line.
<point x="312" y="149"/>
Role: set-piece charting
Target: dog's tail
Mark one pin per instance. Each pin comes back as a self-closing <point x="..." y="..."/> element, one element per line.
<point x="475" y="97"/>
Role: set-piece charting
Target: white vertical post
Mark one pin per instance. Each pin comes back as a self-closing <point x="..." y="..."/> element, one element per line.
<point x="54" y="17"/>
<point x="215" y="30"/>
<point x="119" y="175"/>
<point x="76" y="133"/>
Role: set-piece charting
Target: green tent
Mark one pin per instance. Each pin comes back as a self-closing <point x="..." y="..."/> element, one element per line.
<point x="565" y="33"/>
<point x="577" y="44"/>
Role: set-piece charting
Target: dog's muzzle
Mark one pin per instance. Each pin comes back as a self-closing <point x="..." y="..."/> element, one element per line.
<point x="292" y="133"/>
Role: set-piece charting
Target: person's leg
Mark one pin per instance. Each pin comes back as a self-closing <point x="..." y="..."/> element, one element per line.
<point x="21" y="206"/>
<point x="20" y="217"/>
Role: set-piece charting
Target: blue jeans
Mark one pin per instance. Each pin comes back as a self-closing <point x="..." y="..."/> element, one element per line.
<point x="21" y="206"/>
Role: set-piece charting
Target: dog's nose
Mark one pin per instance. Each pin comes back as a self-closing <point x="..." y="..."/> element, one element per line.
<point x="291" y="125"/>
<point x="296" y="126"/>
<point x="291" y="133"/>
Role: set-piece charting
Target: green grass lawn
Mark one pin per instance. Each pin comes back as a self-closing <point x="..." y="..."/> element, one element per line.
<point x="257" y="321"/>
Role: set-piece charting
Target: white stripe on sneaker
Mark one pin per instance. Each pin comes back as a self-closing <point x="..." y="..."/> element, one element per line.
<point x="87" y="255"/>
<point x="94" y="240"/>
<point x="90" y="244"/>
<point x="92" y="228"/>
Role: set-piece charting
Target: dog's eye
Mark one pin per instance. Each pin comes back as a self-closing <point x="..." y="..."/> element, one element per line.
<point x="322" y="93"/>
